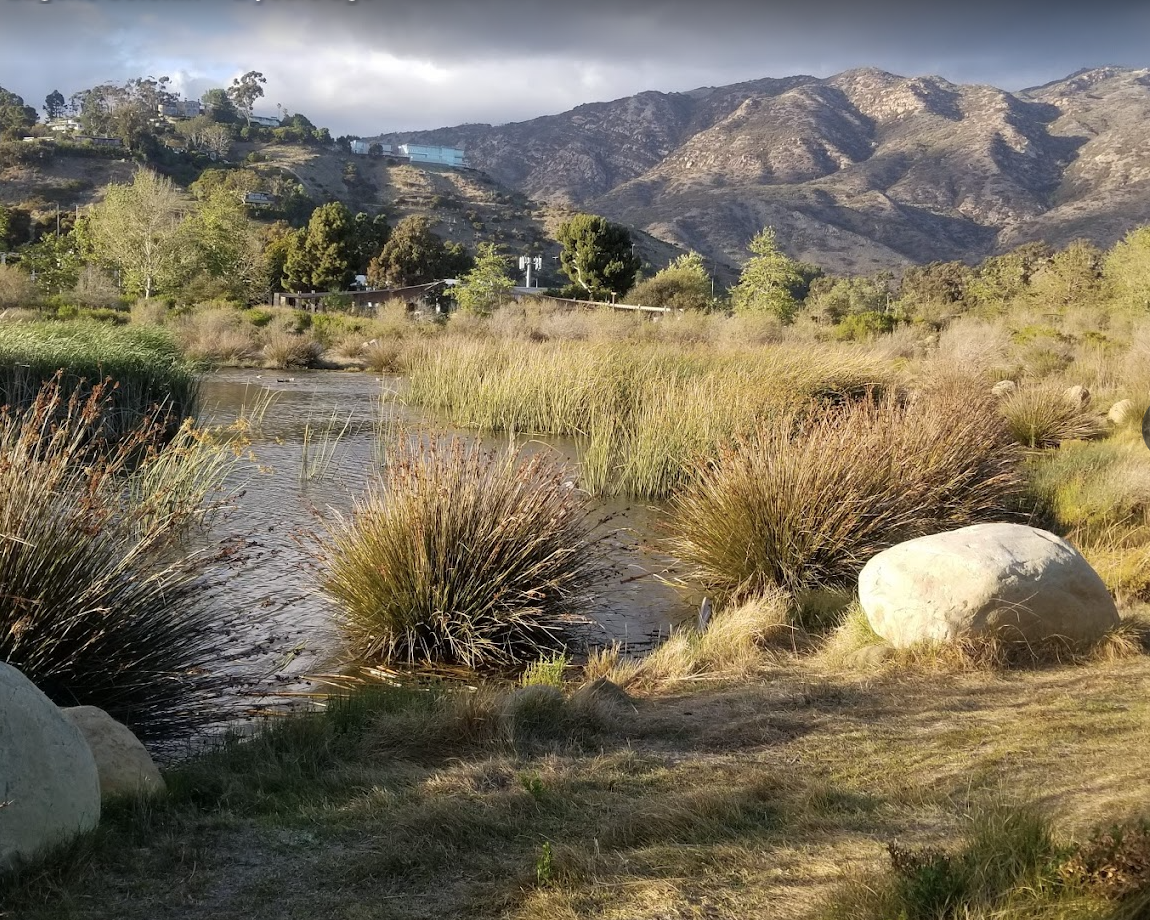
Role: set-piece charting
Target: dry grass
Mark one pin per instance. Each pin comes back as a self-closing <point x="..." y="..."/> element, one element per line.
<point x="807" y="499"/>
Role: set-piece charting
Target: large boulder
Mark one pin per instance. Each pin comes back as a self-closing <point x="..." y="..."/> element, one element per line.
<point x="123" y="763"/>
<point x="1005" y="580"/>
<point x="49" y="786"/>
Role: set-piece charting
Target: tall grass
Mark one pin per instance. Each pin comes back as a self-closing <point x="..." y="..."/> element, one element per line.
<point x="809" y="497"/>
<point x="145" y="364"/>
<point x="642" y="412"/>
<point x="461" y="556"/>
<point x="101" y="604"/>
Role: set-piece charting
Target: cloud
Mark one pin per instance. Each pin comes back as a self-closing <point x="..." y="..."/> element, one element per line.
<point x="368" y="66"/>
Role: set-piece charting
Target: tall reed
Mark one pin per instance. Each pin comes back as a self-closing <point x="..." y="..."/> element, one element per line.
<point x="101" y="603"/>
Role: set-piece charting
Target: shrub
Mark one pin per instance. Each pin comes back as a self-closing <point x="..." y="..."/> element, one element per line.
<point x="809" y="497"/>
<point x="1042" y="416"/>
<point x="101" y="606"/>
<point x="284" y="349"/>
<point x="461" y="556"/>
<point x="1114" y="862"/>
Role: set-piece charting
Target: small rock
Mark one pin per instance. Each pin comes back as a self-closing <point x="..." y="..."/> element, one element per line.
<point x="123" y="763"/>
<point x="49" y="786"/>
<point x="1003" y="388"/>
<point x="1077" y="395"/>
<point x="1122" y="412"/>
<point x="1006" y="580"/>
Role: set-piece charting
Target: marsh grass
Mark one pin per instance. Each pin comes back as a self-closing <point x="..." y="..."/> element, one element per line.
<point x="283" y="349"/>
<point x="102" y="605"/>
<point x="809" y="497"/>
<point x="461" y="556"/>
<point x="642" y="412"/>
<point x="145" y="365"/>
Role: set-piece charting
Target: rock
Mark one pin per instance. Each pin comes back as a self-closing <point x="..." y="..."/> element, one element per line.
<point x="1077" y="396"/>
<point x="124" y="765"/>
<point x="604" y="692"/>
<point x="49" y="785"/>
<point x="869" y="657"/>
<point x="1003" y="388"/>
<point x="1122" y="412"/>
<point x="1006" y="580"/>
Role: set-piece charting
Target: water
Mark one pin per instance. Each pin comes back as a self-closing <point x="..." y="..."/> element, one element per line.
<point x="288" y="622"/>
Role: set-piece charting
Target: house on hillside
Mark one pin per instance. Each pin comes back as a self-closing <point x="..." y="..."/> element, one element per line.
<point x="440" y="156"/>
<point x="264" y="121"/>
<point x="261" y="199"/>
<point x="181" y="108"/>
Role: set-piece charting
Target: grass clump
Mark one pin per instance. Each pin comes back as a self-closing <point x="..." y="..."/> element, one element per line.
<point x="1009" y="853"/>
<point x="808" y="498"/>
<point x="461" y="556"/>
<point x="145" y="363"/>
<point x="1043" y="416"/>
<point x="102" y="605"/>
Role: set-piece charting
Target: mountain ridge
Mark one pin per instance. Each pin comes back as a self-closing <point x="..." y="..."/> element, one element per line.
<point x="859" y="171"/>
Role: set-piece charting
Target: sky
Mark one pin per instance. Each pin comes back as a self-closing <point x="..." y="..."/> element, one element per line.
<point x="366" y="67"/>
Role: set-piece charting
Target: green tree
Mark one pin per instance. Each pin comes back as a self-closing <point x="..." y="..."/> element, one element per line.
<point x="245" y="90"/>
<point x="220" y="107"/>
<point x="225" y="246"/>
<point x="598" y="256"/>
<point x="54" y="262"/>
<point x="371" y="235"/>
<point x="682" y="285"/>
<point x="1127" y="269"/>
<point x="415" y="255"/>
<point x="15" y="116"/>
<point x="831" y="300"/>
<point x="1072" y="276"/>
<point x="55" y="105"/>
<point x="136" y="231"/>
<point x="485" y="288"/>
<point x="770" y="281"/>
<point x="1002" y="278"/>
<point x="324" y="257"/>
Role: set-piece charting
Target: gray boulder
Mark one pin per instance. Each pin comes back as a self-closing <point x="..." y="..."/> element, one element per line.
<point x="1006" y="580"/>
<point x="49" y="786"/>
<point x="123" y="763"/>
<point x="1077" y="395"/>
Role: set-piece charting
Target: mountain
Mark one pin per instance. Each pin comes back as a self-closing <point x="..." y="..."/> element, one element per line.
<point x="859" y="171"/>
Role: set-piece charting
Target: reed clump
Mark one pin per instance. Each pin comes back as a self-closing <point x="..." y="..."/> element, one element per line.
<point x="461" y="556"/>
<point x="103" y="605"/>
<point x="807" y="498"/>
<point x="145" y="363"/>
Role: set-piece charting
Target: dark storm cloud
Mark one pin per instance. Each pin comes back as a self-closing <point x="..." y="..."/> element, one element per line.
<point x="364" y="66"/>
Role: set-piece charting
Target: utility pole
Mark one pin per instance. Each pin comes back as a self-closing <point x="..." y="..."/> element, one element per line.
<point x="528" y="263"/>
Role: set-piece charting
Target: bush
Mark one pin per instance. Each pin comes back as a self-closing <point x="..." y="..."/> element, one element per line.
<point x="1042" y="416"/>
<point x="100" y="605"/>
<point x="284" y="349"/>
<point x="461" y="556"/>
<point x="810" y="497"/>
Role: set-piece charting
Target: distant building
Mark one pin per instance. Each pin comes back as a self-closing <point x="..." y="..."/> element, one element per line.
<point x="101" y="141"/>
<point x="441" y="156"/>
<point x="181" y="108"/>
<point x="360" y="147"/>
<point x="264" y="121"/>
<point x="259" y="198"/>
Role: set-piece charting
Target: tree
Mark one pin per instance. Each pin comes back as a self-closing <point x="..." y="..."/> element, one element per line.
<point x="245" y="90"/>
<point x="415" y="255"/>
<point x="1072" y="276"/>
<point x="682" y="285"/>
<point x="225" y="245"/>
<point x="55" y="105"/>
<point x="324" y="256"/>
<point x="770" y="282"/>
<point x="597" y="255"/>
<point x="1127" y="269"/>
<point x="217" y="139"/>
<point x="220" y="107"/>
<point x="486" y="286"/>
<point x="136" y="231"/>
<point x="371" y="235"/>
<point x="15" y="116"/>
<point x="54" y="262"/>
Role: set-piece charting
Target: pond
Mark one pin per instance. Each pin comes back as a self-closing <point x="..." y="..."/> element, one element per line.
<point x="290" y="625"/>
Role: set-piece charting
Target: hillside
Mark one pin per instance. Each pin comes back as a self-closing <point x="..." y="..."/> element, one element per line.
<point x="467" y="206"/>
<point x="859" y="171"/>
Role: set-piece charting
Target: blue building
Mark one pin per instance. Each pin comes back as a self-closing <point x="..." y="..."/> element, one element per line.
<point x="442" y="156"/>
